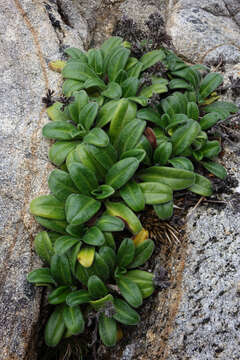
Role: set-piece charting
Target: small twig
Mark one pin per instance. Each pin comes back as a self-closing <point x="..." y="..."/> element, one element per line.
<point x="195" y="207"/>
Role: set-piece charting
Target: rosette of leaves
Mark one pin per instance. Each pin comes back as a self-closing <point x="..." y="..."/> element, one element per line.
<point x="103" y="284"/>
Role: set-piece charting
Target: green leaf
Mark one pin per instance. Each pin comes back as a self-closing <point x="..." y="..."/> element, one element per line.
<point x="117" y="62"/>
<point x="119" y="174"/>
<point x="110" y="240"/>
<point x="60" y="130"/>
<point x="55" y="328"/>
<point x="192" y="110"/>
<point x="107" y="330"/>
<point x="144" y="280"/>
<point x="210" y="149"/>
<point x="72" y="255"/>
<point x="202" y="186"/>
<point x="94" y="236"/>
<point x="80" y="208"/>
<point x="124" y="313"/>
<point x="209" y="84"/>
<point x="109" y="256"/>
<point x="139" y="154"/>
<point x="61" y="184"/>
<point x="110" y="223"/>
<point x="78" y="297"/>
<point x="69" y="86"/>
<point x="95" y="84"/>
<point x="151" y="58"/>
<point x="133" y="196"/>
<point x="56" y="114"/>
<point x="120" y="210"/>
<point x="156" y="193"/>
<point x="97" y="137"/>
<point x="64" y="243"/>
<point x="188" y="74"/>
<point x="60" y="150"/>
<point x="141" y="100"/>
<point x="77" y="70"/>
<point x="83" y="177"/>
<point x="86" y="256"/>
<point x="223" y="108"/>
<point x="162" y="153"/>
<point x="82" y="274"/>
<point x="100" y="268"/>
<point x="102" y="192"/>
<point x="135" y="70"/>
<point x="75" y="53"/>
<point x="117" y="118"/>
<point x="51" y="224"/>
<point x="75" y="230"/>
<point x="179" y="84"/>
<point x="96" y="287"/>
<point x="110" y="44"/>
<point x="113" y="91"/>
<point x="142" y="253"/>
<point x="177" y="179"/>
<point x="103" y="157"/>
<point x="184" y="136"/>
<point x="75" y="107"/>
<point x="48" y="207"/>
<point x="101" y="303"/>
<point x="164" y="211"/>
<point x="130" y="87"/>
<point x="130" y="135"/>
<point x="87" y="115"/>
<point x="150" y="115"/>
<point x="41" y="276"/>
<point x="43" y="246"/>
<point x="125" y="252"/>
<point x="73" y="319"/>
<point x="60" y="269"/>
<point x="181" y="162"/>
<point x="208" y="120"/>
<point x="58" y="296"/>
<point x="130" y="291"/>
<point x="215" y="169"/>
<point x="157" y="88"/>
<point x="95" y="60"/>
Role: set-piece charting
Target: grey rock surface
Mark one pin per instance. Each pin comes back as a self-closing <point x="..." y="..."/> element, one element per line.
<point x="28" y="41"/>
<point x="203" y="31"/>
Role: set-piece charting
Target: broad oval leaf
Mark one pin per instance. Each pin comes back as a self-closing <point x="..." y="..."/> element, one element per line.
<point x="117" y="62"/>
<point x="75" y="53"/>
<point x="48" y="206"/>
<point x="184" y="136"/>
<point x="192" y="110"/>
<point x="151" y="58"/>
<point x="156" y="193"/>
<point x="88" y="114"/>
<point x="86" y="256"/>
<point x="208" y="120"/>
<point x="124" y="313"/>
<point x="58" y="296"/>
<point x="181" y="162"/>
<point x="83" y="177"/>
<point x="41" y="276"/>
<point x="101" y="303"/>
<point x="177" y="179"/>
<point x="209" y="84"/>
<point x="202" y="186"/>
<point x="109" y="256"/>
<point x="113" y="91"/>
<point x="94" y="237"/>
<point x="103" y="192"/>
<point x="64" y="243"/>
<point x="110" y="223"/>
<point x="95" y="60"/>
<point x="96" y="287"/>
<point x="80" y="208"/>
<point x="60" y="130"/>
<point x="164" y="211"/>
<point x="133" y="196"/>
<point x="125" y="253"/>
<point x="130" y="86"/>
<point x="107" y="330"/>
<point x="77" y="70"/>
<point x="73" y="319"/>
<point x="43" y="246"/>
<point x="142" y="253"/>
<point x="51" y="224"/>
<point x="69" y="86"/>
<point x="96" y="137"/>
<point x="61" y="184"/>
<point x="130" y="135"/>
<point x="120" y="210"/>
<point x="215" y="169"/>
<point x="78" y="297"/>
<point x="130" y="291"/>
<point x="139" y="154"/>
<point x="60" y="150"/>
<point x="60" y="269"/>
<point x="119" y="174"/>
<point x="55" y="328"/>
<point x="162" y="153"/>
<point x="100" y="267"/>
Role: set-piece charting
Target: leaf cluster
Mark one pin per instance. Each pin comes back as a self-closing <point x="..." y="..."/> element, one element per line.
<point x="126" y="138"/>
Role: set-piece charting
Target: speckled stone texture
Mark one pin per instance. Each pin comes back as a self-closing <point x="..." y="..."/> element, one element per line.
<point x="28" y="42"/>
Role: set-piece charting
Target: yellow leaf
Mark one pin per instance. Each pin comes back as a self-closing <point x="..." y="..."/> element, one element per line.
<point x="140" y="237"/>
<point x="57" y="65"/>
<point x="86" y="256"/>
